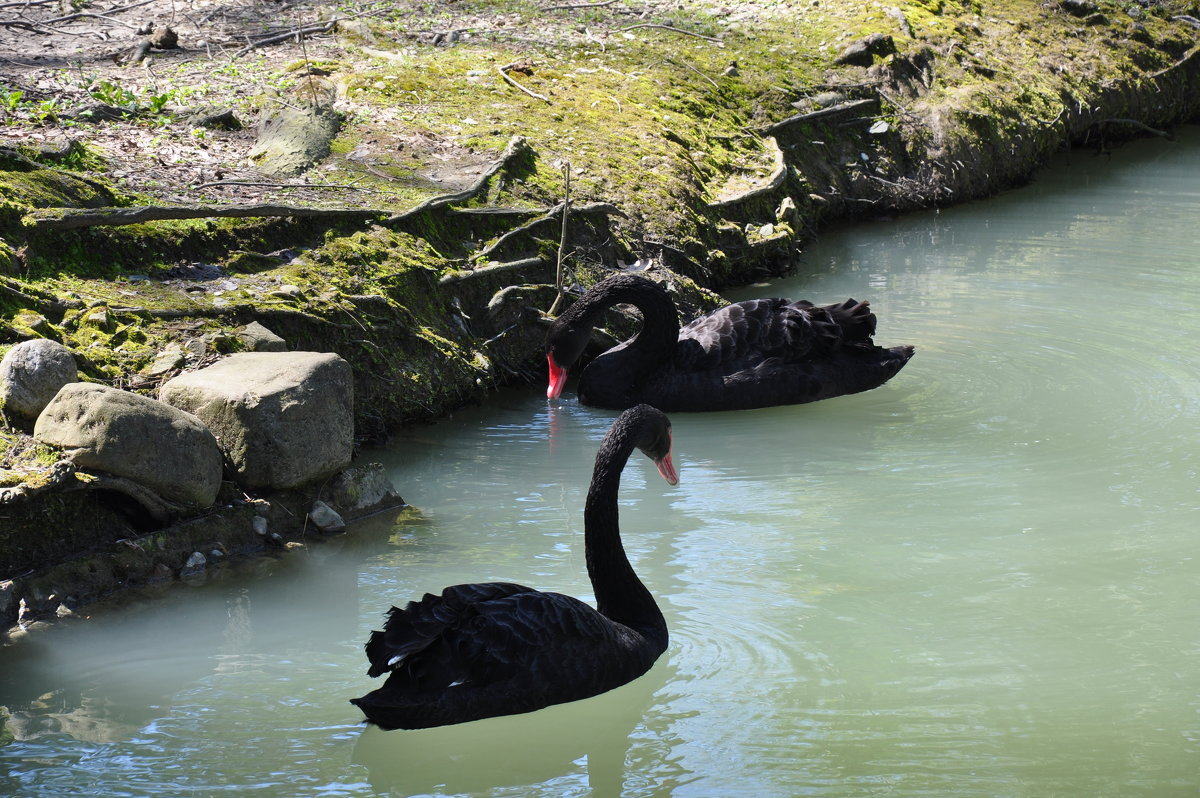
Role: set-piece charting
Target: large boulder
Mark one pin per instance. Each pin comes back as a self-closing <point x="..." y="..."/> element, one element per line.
<point x="31" y="373"/>
<point x="153" y="444"/>
<point x="283" y="419"/>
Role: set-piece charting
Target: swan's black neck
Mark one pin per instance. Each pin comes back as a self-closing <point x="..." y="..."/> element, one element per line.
<point x="620" y="595"/>
<point x="660" y="323"/>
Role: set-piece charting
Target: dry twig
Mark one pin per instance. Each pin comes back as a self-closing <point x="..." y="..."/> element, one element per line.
<point x="670" y="28"/>
<point x="832" y="111"/>
<point x="562" y="240"/>
<point x="503" y="70"/>
<point x="60" y="219"/>
<point x="1134" y="123"/>
<point x="484" y="271"/>
<point x="516" y="146"/>
<point x="295" y="32"/>
<point x="107" y="15"/>
<point x="693" y="69"/>
<point x="569" y="7"/>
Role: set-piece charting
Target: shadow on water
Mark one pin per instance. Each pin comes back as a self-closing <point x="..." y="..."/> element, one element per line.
<point x="142" y="649"/>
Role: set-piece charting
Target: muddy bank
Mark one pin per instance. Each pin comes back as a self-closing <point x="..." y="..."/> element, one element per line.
<point x="708" y="141"/>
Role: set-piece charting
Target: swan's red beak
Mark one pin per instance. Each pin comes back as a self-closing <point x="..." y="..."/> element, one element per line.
<point x="558" y="378"/>
<point x="667" y="468"/>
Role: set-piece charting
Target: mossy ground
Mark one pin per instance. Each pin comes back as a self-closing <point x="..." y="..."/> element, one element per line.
<point x="659" y="112"/>
<point x="659" y="109"/>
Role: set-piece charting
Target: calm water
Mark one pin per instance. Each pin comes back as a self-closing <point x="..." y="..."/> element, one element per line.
<point x="978" y="580"/>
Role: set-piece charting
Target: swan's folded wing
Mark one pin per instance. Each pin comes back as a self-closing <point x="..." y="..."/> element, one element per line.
<point x="478" y="635"/>
<point x="541" y="640"/>
<point x="422" y="623"/>
<point x="742" y="335"/>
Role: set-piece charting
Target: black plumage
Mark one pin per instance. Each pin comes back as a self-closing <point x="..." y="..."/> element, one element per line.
<point x="756" y="353"/>
<point x="496" y="648"/>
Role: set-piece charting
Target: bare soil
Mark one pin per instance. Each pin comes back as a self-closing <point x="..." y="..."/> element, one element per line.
<point x="150" y="71"/>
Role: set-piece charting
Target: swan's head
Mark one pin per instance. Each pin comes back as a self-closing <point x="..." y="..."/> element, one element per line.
<point x="564" y="345"/>
<point x="654" y="439"/>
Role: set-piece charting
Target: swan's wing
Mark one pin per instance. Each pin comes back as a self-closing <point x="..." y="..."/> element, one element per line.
<point x="421" y="623"/>
<point x="480" y="635"/>
<point x="746" y="333"/>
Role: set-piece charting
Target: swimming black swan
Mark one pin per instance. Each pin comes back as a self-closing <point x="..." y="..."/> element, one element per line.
<point x="756" y="353"/>
<point x="496" y="648"/>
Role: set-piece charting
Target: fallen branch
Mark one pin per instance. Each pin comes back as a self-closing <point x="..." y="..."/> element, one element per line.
<point x="670" y="28"/>
<point x="1135" y="123"/>
<point x="528" y="227"/>
<point x="545" y="217"/>
<point x="32" y="28"/>
<point x="778" y="175"/>
<point x="87" y="15"/>
<point x="43" y="303"/>
<point x="293" y="33"/>
<point x="106" y="15"/>
<point x="587" y="209"/>
<point x="824" y="113"/>
<point x="1186" y="58"/>
<point x="580" y="5"/>
<point x="503" y="70"/>
<point x="255" y="184"/>
<point x="596" y="208"/>
<point x="27" y="3"/>
<point x="692" y="68"/>
<point x="516" y="213"/>
<point x="61" y="219"/>
<point x="516" y="146"/>
<point x="486" y="271"/>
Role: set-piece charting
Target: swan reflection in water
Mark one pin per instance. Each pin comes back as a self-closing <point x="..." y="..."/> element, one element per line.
<point x="589" y="741"/>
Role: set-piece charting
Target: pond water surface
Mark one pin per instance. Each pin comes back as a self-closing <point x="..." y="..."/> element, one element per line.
<point x="978" y="580"/>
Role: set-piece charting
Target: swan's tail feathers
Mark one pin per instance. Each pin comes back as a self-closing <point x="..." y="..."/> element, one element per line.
<point x="899" y="355"/>
<point x="855" y="319"/>
<point x="402" y="636"/>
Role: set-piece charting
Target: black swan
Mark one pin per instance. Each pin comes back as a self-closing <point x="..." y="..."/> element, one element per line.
<point x="494" y="648"/>
<point x="756" y="353"/>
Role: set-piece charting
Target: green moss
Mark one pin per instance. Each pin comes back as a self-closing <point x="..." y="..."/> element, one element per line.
<point x="657" y="121"/>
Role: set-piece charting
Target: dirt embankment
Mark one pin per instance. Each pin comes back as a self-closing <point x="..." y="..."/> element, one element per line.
<point x="711" y="140"/>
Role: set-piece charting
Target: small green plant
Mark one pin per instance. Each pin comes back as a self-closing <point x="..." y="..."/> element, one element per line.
<point x="156" y="102"/>
<point x="80" y="158"/>
<point x="10" y="100"/>
<point x="47" y="110"/>
<point x="113" y="94"/>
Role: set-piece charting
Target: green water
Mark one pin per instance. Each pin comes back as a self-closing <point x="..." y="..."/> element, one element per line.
<point x="978" y="580"/>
